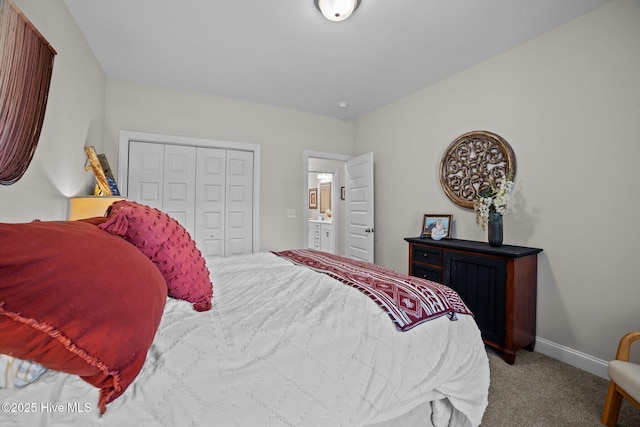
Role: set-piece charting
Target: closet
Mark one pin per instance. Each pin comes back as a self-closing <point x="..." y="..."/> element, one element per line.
<point x="209" y="190"/>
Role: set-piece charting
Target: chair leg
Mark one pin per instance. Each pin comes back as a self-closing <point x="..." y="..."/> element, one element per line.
<point x="611" y="406"/>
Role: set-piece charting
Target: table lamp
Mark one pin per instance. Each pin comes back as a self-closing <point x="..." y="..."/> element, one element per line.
<point x="81" y="207"/>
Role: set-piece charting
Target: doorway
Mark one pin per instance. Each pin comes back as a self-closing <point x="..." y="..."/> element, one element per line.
<point x="354" y="217"/>
<point x="320" y="169"/>
<point x="321" y="222"/>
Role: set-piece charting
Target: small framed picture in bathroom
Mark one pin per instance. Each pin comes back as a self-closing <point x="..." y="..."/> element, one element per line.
<point x="313" y="198"/>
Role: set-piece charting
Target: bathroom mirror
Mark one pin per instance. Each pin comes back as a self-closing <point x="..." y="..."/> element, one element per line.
<point x="325" y="196"/>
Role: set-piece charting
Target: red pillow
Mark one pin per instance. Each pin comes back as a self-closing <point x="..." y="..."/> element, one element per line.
<point x="76" y="299"/>
<point x="96" y="220"/>
<point x="165" y="242"/>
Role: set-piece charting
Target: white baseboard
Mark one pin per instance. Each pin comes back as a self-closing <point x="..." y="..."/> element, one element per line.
<point x="572" y="357"/>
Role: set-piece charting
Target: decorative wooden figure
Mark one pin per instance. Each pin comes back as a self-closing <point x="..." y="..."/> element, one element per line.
<point x="102" y="188"/>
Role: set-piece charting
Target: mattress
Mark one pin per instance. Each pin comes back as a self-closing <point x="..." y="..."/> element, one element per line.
<point x="283" y="345"/>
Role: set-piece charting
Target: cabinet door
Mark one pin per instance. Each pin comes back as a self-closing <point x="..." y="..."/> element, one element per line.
<point x="481" y="283"/>
<point x="326" y="238"/>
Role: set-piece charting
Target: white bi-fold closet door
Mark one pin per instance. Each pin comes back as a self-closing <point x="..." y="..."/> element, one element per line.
<point x="208" y="190"/>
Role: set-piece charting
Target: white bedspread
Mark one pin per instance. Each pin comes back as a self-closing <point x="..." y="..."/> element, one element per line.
<point x="282" y="346"/>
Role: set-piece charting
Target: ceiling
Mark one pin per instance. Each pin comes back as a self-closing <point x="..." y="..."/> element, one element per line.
<point x="285" y="53"/>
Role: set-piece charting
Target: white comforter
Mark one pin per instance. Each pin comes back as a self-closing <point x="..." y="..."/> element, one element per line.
<point x="282" y="346"/>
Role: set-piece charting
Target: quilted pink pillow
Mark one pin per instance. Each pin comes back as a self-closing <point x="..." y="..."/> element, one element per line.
<point x="165" y="242"/>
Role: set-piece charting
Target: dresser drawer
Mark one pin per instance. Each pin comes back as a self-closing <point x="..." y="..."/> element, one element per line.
<point x="426" y="254"/>
<point x="428" y="272"/>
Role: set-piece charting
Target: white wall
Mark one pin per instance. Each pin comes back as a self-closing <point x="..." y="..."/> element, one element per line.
<point x="568" y="102"/>
<point x="283" y="135"/>
<point x="73" y="119"/>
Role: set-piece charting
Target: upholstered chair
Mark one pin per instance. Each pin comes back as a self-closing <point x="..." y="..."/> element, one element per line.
<point x="625" y="381"/>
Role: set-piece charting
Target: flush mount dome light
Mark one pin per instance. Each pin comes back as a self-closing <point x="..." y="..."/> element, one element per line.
<point x="337" y="10"/>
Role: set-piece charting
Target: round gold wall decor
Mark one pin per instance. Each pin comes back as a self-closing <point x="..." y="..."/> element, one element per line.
<point x="472" y="163"/>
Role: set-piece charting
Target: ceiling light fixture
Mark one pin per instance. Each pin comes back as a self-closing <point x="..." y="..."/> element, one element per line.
<point x="337" y="10"/>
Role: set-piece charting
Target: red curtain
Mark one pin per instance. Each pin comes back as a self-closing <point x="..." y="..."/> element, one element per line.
<point x="26" y="64"/>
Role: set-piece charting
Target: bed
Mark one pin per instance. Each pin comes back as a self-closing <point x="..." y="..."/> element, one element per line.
<point x="283" y="344"/>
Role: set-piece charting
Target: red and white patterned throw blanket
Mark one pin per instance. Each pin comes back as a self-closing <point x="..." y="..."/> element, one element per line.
<point x="408" y="300"/>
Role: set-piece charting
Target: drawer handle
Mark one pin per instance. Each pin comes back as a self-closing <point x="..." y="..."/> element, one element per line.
<point x="425" y="255"/>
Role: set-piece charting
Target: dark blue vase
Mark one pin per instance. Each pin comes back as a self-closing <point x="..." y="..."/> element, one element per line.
<point x="494" y="227"/>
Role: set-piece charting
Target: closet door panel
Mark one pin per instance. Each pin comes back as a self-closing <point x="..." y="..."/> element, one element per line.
<point x="179" y="184"/>
<point x="210" y="201"/>
<point x="239" y="214"/>
<point x="146" y="173"/>
<point x="208" y="190"/>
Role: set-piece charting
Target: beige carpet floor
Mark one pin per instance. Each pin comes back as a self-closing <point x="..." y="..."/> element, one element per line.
<point x="538" y="391"/>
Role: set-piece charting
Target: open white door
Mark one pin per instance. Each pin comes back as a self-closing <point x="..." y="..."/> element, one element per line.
<point x="359" y="240"/>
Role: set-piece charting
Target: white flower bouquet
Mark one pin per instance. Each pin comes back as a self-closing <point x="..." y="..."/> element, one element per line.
<point x="492" y="199"/>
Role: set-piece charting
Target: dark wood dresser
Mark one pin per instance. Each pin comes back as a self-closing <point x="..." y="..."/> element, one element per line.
<point x="498" y="284"/>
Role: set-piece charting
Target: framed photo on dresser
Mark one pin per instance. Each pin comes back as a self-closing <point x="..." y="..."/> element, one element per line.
<point x="437" y="226"/>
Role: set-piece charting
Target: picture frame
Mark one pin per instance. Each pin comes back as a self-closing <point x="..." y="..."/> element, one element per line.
<point x="430" y="226"/>
<point x="313" y="198"/>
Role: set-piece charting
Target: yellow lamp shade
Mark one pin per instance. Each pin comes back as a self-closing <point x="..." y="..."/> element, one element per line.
<point x="81" y="207"/>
